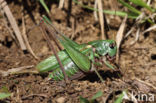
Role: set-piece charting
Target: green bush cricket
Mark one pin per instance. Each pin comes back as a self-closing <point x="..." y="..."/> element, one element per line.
<point x="77" y="59"/>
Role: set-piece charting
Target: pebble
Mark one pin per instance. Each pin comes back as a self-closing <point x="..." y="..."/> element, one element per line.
<point x="60" y="100"/>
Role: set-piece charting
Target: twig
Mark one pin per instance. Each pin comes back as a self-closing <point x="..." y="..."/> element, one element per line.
<point x="149" y="84"/>
<point x="13" y="23"/>
<point x="103" y="36"/>
<point x="14" y="70"/>
<point x="61" y="3"/>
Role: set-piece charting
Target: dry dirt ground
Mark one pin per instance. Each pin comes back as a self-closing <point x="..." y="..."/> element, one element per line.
<point x="137" y="62"/>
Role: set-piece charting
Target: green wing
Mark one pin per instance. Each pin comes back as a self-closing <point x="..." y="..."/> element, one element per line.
<point x="80" y="59"/>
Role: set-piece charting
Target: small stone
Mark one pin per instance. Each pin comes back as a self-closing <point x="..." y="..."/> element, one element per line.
<point x="44" y="49"/>
<point x="60" y="100"/>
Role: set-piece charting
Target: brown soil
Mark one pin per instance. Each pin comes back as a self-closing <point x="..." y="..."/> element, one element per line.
<point x="137" y="62"/>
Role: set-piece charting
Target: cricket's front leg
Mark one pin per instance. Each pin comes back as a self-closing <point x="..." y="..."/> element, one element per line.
<point x="92" y="58"/>
<point x="108" y="64"/>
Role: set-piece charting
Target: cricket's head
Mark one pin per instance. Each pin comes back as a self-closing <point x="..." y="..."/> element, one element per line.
<point x="106" y="48"/>
<point x="112" y="50"/>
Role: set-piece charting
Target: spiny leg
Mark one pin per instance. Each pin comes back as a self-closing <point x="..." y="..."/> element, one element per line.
<point x="98" y="74"/>
<point x="92" y="56"/>
<point x="54" y="51"/>
<point x="108" y="64"/>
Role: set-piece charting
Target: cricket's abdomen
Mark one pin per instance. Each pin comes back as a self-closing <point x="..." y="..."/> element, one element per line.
<point x="70" y="68"/>
<point x="51" y="64"/>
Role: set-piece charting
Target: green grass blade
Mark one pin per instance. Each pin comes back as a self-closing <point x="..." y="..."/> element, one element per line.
<point x="120" y="98"/>
<point x="97" y="95"/>
<point x="46" y="20"/>
<point x="142" y="4"/>
<point x="4" y="95"/>
<point x="83" y="100"/>
<point x="119" y="13"/>
<point x="45" y="6"/>
<point x="130" y="7"/>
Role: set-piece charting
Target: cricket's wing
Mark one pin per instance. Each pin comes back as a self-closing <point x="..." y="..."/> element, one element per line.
<point x="80" y="59"/>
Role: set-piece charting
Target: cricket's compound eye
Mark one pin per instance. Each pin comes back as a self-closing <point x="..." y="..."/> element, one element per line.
<point x="112" y="45"/>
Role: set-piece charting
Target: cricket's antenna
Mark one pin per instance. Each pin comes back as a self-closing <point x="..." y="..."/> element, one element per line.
<point x="52" y="25"/>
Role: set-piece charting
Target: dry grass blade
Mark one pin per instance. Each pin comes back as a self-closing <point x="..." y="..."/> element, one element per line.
<point x="149" y="29"/>
<point x="129" y="32"/>
<point x="18" y="99"/>
<point x="152" y="16"/>
<point x="149" y="84"/>
<point x="26" y="39"/>
<point x="13" y="23"/>
<point x="101" y="17"/>
<point x="138" y="20"/>
<point x="137" y="37"/>
<point x="61" y="3"/>
<point x="95" y="12"/>
<point x="4" y="21"/>
<point x="148" y="2"/>
<point x="73" y="28"/>
<point x="119" y="37"/>
<point x="138" y="26"/>
<point x="15" y="70"/>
